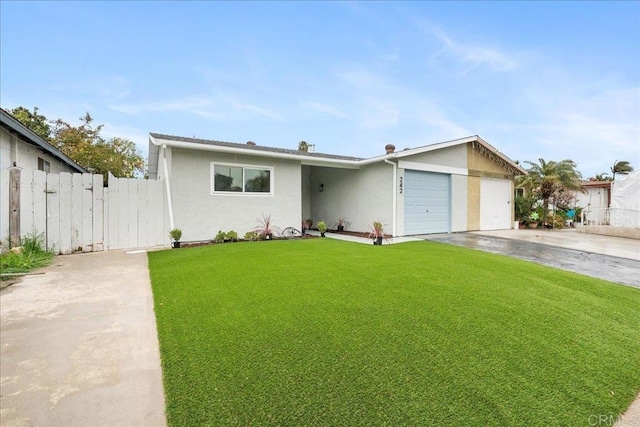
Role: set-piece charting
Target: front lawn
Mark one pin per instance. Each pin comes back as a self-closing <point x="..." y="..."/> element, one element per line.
<point x="323" y="332"/>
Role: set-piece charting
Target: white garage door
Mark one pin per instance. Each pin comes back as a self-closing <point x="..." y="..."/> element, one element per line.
<point x="495" y="204"/>
<point x="427" y="202"/>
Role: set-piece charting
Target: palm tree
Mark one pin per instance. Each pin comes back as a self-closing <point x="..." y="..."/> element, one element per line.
<point x="622" y="167"/>
<point x="547" y="179"/>
<point x="601" y="177"/>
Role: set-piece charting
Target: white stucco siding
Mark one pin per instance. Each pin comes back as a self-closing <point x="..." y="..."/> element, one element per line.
<point x="201" y="214"/>
<point x="361" y="196"/>
<point x="25" y="155"/>
<point x="458" y="203"/>
<point x="594" y="199"/>
<point x="455" y="157"/>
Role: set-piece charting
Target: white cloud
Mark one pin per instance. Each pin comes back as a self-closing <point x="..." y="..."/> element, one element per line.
<point x="473" y="54"/>
<point x="327" y="109"/>
<point x="260" y="111"/>
<point x="109" y="87"/>
<point x="140" y="137"/>
<point x="189" y="105"/>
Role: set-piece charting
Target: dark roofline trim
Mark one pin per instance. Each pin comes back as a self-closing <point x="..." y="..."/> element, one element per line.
<point x="32" y="138"/>
<point x="251" y="147"/>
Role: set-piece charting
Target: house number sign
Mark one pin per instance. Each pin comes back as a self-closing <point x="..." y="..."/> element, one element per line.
<point x="401" y="184"/>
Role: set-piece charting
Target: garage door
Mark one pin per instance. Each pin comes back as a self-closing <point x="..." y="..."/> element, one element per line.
<point x="427" y="202"/>
<point x="495" y="204"/>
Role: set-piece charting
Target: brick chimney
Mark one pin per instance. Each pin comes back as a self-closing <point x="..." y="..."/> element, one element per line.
<point x="390" y="148"/>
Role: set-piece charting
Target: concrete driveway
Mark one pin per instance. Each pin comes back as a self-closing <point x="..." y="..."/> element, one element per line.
<point x="79" y="345"/>
<point x="615" y="259"/>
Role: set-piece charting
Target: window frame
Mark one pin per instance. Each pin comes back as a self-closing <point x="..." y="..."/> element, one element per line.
<point x="244" y="166"/>
<point x="44" y="165"/>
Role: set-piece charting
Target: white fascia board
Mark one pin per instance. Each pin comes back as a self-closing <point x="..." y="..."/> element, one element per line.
<point x="305" y="160"/>
<point x="419" y="150"/>
<point x="426" y="167"/>
<point x="438" y="146"/>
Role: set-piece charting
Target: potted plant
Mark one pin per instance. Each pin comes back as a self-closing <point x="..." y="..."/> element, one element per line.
<point x="265" y="228"/>
<point x="341" y="224"/>
<point x="309" y="223"/>
<point x="322" y="228"/>
<point x="533" y="220"/>
<point x="175" y="235"/>
<point x="377" y="232"/>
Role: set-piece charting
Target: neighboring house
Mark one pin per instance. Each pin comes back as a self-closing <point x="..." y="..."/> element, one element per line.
<point x="22" y="148"/>
<point x="625" y="202"/>
<point x="459" y="185"/>
<point x="595" y="202"/>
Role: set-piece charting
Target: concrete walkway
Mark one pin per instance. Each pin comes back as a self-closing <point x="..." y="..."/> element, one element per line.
<point x="79" y="345"/>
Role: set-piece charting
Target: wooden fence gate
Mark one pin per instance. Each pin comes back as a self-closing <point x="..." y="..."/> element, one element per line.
<point x="76" y="213"/>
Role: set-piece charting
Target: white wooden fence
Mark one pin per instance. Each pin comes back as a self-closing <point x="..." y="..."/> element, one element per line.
<point x="76" y="213"/>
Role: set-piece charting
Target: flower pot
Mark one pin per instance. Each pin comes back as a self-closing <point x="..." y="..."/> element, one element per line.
<point x="321" y="234"/>
<point x="175" y="245"/>
<point x="377" y="240"/>
<point x="340" y="228"/>
<point x="268" y="236"/>
<point x="533" y="225"/>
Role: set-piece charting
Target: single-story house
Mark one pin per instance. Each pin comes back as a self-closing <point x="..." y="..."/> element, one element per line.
<point x="595" y="201"/>
<point x="20" y="147"/>
<point x="460" y="185"/>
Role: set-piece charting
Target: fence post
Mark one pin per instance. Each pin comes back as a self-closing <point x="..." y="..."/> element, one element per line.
<point x="14" y="207"/>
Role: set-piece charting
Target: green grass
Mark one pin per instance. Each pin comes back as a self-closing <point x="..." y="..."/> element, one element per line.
<point x="323" y="332"/>
<point x="31" y="257"/>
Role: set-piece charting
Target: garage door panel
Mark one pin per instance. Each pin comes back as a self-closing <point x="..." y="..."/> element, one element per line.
<point x="427" y="202"/>
<point x="495" y="204"/>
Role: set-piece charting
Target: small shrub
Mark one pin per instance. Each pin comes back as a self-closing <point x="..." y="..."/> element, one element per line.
<point x="251" y="235"/>
<point x="232" y="235"/>
<point x="322" y="227"/>
<point x="175" y="234"/>
<point x="32" y="256"/>
<point x="220" y="237"/>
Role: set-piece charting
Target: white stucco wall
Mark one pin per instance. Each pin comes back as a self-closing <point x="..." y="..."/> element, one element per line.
<point x="597" y="198"/>
<point x="25" y="155"/>
<point x="458" y="203"/>
<point x="455" y="156"/>
<point x="200" y="214"/>
<point x="361" y="196"/>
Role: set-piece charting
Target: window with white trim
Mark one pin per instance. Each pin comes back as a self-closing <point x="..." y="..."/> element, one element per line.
<point x="241" y="179"/>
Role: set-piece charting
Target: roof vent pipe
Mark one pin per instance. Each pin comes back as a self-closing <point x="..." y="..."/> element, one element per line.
<point x="251" y="143"/>
<point x="390" y="148"/>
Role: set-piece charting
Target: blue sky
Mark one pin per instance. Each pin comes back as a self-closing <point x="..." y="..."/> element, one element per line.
<point x="555" y="80"/>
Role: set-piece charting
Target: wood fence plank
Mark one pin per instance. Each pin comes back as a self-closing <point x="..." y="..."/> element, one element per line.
<point x="39" y="210"/>
<point x="123" y="212"/>
<point x="144" y="214"/>
<point x="87" y="212"/>
<point x="65" y="213"/>
<point x="158" y="220"/>
<point x="98" y="213"/>
<point x="132" y="214"/>
<point x="4" y="204"/>
<point x="13" y="204"/>
<point x="112" y="194"/>
<point x="53" y="212"/>
<point x="76" y="212"/>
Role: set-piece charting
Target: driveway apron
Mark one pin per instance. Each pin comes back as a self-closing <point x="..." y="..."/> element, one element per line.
<point x="612" y="268"/>
<point x="79" y="345"/>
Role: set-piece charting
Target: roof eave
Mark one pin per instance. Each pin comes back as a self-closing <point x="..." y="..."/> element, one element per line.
<point x="305" y="160"/>
<point x="32" y="138"/>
